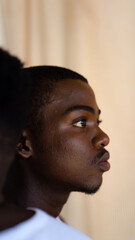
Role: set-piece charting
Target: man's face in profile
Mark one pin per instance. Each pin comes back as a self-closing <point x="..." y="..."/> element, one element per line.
<point x="69" y="153"/>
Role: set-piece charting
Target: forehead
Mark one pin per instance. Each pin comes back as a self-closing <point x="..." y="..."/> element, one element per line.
<point x="72" y="92"/>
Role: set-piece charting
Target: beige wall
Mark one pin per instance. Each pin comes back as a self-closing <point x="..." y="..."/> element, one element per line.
<point x="97" y="39"/>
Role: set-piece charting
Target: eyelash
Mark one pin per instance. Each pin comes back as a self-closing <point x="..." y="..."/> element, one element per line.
<point x="83" y="122"/>
<point x="98" y="122"/>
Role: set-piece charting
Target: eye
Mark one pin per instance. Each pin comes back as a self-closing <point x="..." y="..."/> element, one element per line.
<point x="80" y="123"/>
<point x="98" y="122"/>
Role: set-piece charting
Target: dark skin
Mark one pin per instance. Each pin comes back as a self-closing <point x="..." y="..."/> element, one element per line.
<point x="68" y="154"/>
<point x="10" y="215"/>
<point x="13" y="106"/>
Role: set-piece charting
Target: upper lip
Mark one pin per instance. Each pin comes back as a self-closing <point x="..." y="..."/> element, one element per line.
<point x="103" y="156"/>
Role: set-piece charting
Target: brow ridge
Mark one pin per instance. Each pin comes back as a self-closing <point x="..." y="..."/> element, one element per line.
<point x="82" y="107"/>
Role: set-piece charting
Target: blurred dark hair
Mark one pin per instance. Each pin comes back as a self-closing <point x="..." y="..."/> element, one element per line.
<point x="14" y="95"/>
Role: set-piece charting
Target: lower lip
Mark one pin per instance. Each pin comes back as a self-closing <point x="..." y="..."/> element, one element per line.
<point x="104" y="166"/>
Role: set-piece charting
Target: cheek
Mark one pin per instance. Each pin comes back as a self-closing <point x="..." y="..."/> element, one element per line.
<point x="74" y="151"/>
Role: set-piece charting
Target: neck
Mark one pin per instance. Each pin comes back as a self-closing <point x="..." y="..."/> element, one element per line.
<point x="48" y="198"/>
<point x="36" y="193"/>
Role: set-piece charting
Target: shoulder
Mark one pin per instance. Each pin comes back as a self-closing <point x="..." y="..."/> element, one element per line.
<point x="42" y="226"/>
<point x="56" y="229"/>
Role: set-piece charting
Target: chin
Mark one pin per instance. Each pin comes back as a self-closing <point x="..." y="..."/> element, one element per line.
<point x="90" y="188"/>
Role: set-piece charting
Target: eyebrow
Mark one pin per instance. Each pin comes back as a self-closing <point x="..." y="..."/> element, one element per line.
<point x="83" y="107"/>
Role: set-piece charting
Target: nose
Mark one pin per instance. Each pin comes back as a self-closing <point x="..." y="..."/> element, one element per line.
<point x="100" y="140"/>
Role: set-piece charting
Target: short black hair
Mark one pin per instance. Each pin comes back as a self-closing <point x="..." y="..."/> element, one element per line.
<point x="14" y="95"/>
<point x="44" y="79"/>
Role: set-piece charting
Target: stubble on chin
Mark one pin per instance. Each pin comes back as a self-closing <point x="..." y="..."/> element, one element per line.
<point x="89" y="190"/>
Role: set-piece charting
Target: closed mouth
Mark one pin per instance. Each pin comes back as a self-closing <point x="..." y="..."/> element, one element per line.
<point x="102" y="160"/>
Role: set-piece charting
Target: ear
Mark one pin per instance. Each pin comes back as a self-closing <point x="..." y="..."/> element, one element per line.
<point x="24" y="146"/>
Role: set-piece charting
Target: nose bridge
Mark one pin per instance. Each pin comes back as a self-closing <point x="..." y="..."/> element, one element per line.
<point x="100" y="139"/>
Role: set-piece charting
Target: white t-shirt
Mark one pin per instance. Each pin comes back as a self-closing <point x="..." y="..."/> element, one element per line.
<point x="42" y="226"/>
